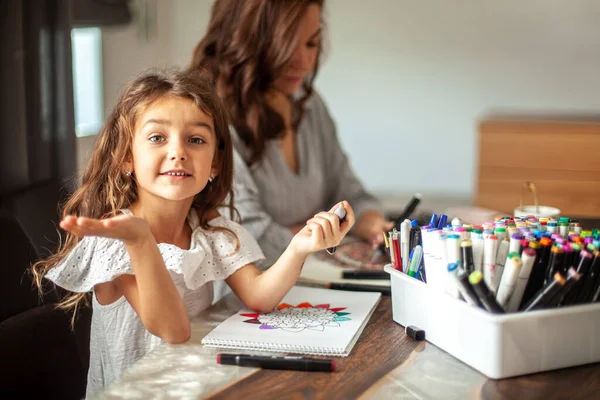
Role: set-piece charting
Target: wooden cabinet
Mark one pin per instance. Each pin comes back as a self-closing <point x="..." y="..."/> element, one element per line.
<point x="562" y="158"/>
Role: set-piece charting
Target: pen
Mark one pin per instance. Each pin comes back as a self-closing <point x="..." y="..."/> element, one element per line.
<point x="408" y="210"/>
<point x="274" y="362"/>
<point x="365" y="274"/>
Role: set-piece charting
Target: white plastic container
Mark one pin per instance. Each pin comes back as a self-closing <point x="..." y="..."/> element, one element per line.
<point x="498" y="346"/>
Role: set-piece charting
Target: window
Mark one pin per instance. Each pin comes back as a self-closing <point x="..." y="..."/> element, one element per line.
<point x="87" y="80"/>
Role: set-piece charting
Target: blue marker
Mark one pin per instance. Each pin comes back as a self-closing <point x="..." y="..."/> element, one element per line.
<point x="442" y="222"/>
<point x="414" y="223"/>
<point x="433" y="220"/>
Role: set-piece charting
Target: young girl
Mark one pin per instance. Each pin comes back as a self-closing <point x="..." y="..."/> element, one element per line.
<point x="143" y="233"/>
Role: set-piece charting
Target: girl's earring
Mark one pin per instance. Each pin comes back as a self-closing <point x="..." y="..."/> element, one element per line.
<point x="128" y="173"/>
<point x="211" y="178"/>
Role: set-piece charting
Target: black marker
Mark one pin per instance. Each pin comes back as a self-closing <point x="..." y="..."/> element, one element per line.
<point x="536" y="279"/>
<point x="408" y="210"/>
<point x="589" y="284"/>
<point x="573" y="278"/>
<point x="547" y="293"/>
<point x="415" y="333"/>
<point x="365" y="274"/>
<point x="354" y="287"/>
<point x="557" y="255"/>
<point x="464" y="287"/>
<point x="415" y="237"/>
<point x="583" y="268"/>
<point x="487" y="298"/>
<point x="340" y="211"/>
<point x="467" y="256"/>
<point x="275" y="362"/>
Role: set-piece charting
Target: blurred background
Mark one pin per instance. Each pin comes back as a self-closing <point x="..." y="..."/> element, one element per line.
<point x="463" y="101"/>
<point x="409" y="84"/>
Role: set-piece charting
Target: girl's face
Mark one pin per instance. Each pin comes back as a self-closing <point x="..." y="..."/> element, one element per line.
<point x="305" y="55"/>
<point x="174" y="147"/>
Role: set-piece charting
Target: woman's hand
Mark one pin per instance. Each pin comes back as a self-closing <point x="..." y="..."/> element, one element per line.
<point x="127" y="228"/>
<point x="323" y="231"/>
<point x="370" y="226"/>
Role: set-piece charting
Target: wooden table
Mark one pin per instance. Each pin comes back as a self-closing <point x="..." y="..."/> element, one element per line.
<point x="385" y="363"/>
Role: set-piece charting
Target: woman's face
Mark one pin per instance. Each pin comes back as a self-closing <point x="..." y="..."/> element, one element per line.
<point x="305" y="55"/>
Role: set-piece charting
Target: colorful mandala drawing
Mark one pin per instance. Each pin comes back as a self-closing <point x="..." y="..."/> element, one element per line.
<point x="296" y="319"/>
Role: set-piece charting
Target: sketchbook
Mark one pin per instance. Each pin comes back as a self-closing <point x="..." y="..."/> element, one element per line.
<point x="307" y="321"/>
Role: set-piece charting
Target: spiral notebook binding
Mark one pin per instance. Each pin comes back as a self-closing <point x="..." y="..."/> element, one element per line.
<point x="274" y="347"/>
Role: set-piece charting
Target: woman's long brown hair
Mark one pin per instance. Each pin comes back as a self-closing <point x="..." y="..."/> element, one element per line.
<point x="106" y="188"/>
<point x="247" y="46"/>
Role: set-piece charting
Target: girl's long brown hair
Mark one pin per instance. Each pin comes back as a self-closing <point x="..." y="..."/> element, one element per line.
<point x="247" y="46"/>
<point x="106" y="188"/>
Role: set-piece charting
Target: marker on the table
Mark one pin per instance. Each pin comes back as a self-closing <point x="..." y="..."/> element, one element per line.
<point x="365" y="274"/>
<point x="357" y="287"/>
<point x="275" y="362"/>
<point x="415" y="333"/>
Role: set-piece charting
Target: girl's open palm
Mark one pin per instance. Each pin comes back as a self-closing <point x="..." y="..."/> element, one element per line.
<point x="127" y="228"/>
<point x="323" y="230"/>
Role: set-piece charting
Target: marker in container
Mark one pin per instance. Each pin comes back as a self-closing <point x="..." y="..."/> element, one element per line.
<point x="557" y="255"/>
<point x="478" y="245"/>
<point x="467" y="256"/>
<point x="537" y="277"/>
<point x="528" y="260"/>
<point x="405" y="242"/>
<point x="501" y="257"/>
<point x="442" y="221"/>
<point x="489" y="258"/>
<point x="573" y="278"/>
<point x="583" y="268"/>
<point x="589" y="284"/>
<point x="546" y="294"/>
<point x="465" y="288"/>
<point x="415" y="261"/>
<point x="452" y="281"/>
<point x="485" y="295"/>
<point x="508" y="283"/>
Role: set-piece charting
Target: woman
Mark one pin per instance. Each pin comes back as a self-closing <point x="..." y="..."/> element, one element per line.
<point x="264" y="57"/>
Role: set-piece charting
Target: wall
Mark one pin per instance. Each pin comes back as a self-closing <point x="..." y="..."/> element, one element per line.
<point x="407" y="80"/>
